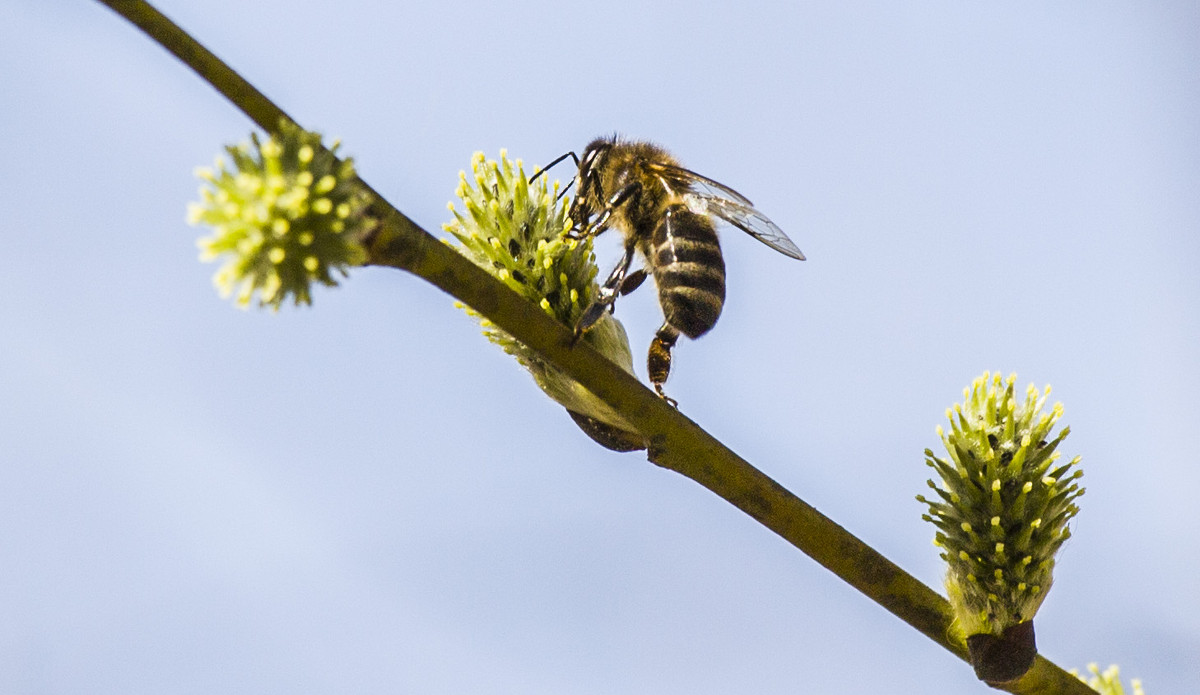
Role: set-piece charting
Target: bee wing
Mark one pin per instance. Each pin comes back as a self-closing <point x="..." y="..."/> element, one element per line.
<point x="702" y="185"/>
<point x="745" y="218"/>
<point x="706" y="196"/>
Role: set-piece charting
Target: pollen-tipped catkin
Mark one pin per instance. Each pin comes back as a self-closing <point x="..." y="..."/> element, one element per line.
<point x="1001" y="504"/>
<point x="1108" y="681"/>
<point x="514" y="229"/>
<point x="284" y="213"/>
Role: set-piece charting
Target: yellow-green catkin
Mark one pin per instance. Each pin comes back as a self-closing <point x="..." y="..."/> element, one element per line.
<point x="1003" y="503"/>
<point x="515" y="231"/>
<point x="1108" y="682"/>
<point x="284" y="213"/>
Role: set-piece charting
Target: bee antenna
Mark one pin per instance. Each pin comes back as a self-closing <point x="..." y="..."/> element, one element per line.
<point x="549" y="166"/>
<point x="563" y="192"/>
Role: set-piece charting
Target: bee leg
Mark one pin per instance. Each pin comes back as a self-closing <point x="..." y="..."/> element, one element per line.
<point x="580" y="212"/>
<point x="609" y="292"/>
<point x="619" y="198"/>
<point x="633" y="281"/>
<point x="658" y="362"/>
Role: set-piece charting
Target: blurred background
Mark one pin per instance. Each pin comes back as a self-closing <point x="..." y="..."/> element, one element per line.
<point x="365" y="496"/>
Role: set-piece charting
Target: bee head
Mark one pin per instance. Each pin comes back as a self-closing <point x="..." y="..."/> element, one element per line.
<point x="589" y="194"/>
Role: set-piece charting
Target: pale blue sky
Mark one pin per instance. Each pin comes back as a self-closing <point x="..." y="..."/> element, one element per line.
<point x="367" y="497"/>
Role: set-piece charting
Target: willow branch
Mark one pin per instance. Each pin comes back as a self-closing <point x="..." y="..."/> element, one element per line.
<point x="674" y="441"/>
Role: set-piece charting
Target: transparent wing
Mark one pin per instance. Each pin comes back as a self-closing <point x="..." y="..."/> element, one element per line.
<point x="707" y="197"/>
<point x="748" y="220"/>
<point x="701" y="184"/>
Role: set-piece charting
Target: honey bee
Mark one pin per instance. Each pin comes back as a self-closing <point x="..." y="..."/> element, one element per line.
<point x="667" y="215"/>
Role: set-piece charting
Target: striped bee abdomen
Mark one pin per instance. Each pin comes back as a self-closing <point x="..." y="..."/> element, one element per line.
<point x="688" y="268"/>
